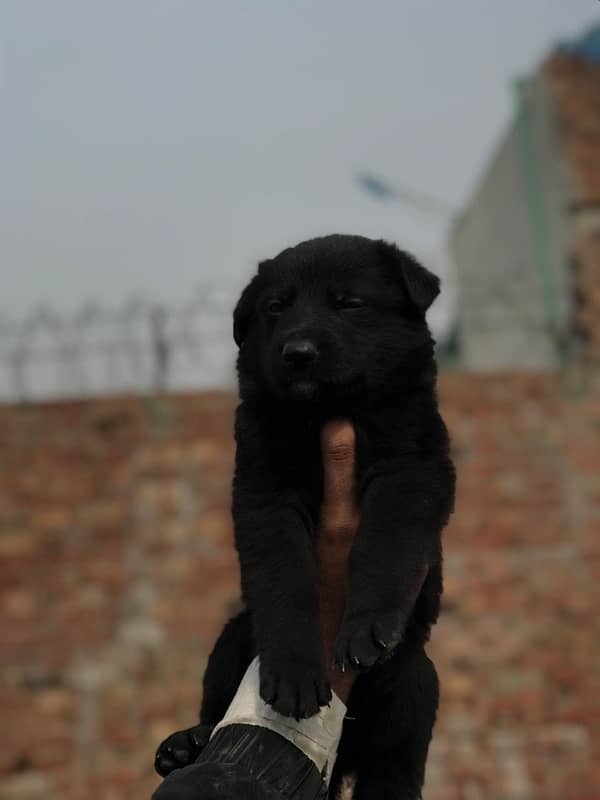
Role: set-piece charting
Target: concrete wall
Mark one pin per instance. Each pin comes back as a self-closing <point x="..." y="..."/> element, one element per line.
<point x="512" y="229"/>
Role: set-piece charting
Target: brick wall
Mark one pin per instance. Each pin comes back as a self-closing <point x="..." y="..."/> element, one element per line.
<point x="117" y="570"/>
<point x="518" y="649"/>
<point x="574" y="85"/>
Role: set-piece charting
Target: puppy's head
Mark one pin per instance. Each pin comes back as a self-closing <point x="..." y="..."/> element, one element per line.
<point x="332" y="317"/>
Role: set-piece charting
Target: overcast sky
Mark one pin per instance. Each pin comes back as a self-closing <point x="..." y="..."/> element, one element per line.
<point x="148" y="145"/>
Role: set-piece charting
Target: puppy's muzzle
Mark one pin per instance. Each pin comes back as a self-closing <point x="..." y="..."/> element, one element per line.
<point x="299" y="353"/>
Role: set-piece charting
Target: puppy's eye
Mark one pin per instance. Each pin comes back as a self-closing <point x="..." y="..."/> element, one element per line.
<point x="275" y="306"/>
<point x="349" y="303"/>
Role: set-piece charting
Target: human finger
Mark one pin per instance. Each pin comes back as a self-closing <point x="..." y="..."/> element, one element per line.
<point x="338" y="448"/>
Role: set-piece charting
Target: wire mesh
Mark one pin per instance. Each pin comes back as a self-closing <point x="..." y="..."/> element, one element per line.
<point x="140" y="346"/>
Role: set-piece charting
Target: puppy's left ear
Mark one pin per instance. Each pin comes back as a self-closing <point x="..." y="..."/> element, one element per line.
<point x="421" y="285"/>
<point x="246" y="307"/>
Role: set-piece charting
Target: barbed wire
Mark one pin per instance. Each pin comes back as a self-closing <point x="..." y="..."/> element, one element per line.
<point x="140" y="346"/>
<point x="145" y="346"/>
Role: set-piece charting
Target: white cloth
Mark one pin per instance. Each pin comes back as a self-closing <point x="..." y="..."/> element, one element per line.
<point x="318" y="736"/>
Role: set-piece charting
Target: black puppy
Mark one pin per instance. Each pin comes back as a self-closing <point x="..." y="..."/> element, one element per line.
<point x="335" y="328"/>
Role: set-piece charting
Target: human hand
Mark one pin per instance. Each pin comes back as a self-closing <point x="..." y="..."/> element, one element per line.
<point x="339" y="521"/>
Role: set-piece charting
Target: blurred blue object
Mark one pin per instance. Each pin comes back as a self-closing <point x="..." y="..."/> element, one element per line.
<point x="375" y="186"/>
<point x="385" y="192"/>
<point x="587" y="46"/>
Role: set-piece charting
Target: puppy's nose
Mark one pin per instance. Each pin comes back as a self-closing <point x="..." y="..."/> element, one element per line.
<point x="299" y="353"/>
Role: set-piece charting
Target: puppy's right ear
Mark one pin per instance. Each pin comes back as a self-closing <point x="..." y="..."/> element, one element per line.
<point x="244" y="311"/>
<point x="246" y="308"/>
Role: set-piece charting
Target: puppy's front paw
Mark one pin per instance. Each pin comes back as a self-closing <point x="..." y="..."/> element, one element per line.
<point x="294" y="689"/>
<point x="181" y="748"/>
<point x="368" y="637"/>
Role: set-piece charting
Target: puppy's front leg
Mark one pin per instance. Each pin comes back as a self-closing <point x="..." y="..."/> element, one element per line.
<point x="402" y="514"/>
<point x="279" y="584"/>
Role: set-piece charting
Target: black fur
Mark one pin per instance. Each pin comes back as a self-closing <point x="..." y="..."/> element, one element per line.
<point x="352" y="314"/>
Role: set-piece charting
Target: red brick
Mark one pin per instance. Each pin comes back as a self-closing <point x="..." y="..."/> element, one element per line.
<point x="121" y="569"/>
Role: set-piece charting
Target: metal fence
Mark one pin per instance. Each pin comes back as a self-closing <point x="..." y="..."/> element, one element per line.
<point x="141" y="346"/>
